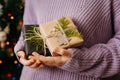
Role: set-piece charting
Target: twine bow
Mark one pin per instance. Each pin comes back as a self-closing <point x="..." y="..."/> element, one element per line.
<point x="60" y="34"/>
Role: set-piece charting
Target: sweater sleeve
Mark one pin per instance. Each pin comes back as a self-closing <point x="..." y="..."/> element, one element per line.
<point x="29" y="18"/>
<point x="100" y="60"/>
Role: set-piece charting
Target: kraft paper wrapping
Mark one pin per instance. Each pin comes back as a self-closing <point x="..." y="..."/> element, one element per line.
<point x="52" y="42"/>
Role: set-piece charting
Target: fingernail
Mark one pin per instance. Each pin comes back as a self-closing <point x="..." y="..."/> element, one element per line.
<point x="34" y="53"/>
<point x="29" y="57"/>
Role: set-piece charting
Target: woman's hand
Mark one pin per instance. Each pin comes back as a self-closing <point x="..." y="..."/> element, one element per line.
<point x="64" y="56"/>
<point x="29" y="62"/>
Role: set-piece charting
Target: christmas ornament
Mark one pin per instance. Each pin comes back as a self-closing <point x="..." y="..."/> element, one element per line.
<point x="11" y="11"/>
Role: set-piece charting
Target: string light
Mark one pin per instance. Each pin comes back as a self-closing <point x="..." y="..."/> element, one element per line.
<point x="15" y="62"/>
<point x="20" y="23"/>
<point x="14" y="43"/>
<point x="7" y="53"/>
<point x="13" y="78"/>
<point x="19" y="65"/>
<point x="7" y="43"/>
<point x="11" y="54"/>
<point x="10" y="49"/>
<point x="12" y="17"/>
<point x="9" y="14"/>
<point x="1" y="61"/>
<point x="9" y="75"/>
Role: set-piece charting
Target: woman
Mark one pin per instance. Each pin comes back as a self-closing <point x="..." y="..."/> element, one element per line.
<point x="99" y="57"/>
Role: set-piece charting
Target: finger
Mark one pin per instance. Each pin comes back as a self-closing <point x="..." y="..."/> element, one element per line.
<point x="35" y="54"/>
<point x="21" y="54"/>
<point x="37" y="64"/>
<point x="43" y="59"/>
<point x="27" y="62"/>
<point x="51" y="61"/>
<point x="62" y="52"/>
<point x="34" y="57"/>
<point x="40" y="66"/>
<point x="31" y="57"/>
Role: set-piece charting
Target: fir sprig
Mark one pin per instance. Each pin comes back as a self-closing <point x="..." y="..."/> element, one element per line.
<point x="64" y="22"/>
<point x="34" y="37"/>
<point x="69" y="31"/>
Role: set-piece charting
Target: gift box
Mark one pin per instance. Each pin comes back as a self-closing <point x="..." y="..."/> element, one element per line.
<point x="32" y="41"/>
<point x="60" y="33"/>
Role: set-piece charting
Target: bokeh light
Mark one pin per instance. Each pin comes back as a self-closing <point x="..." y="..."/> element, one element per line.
<point x="9" y="75"/>
<point x="12" y="17"/>
<point x="15" y="62"/>
<point x="1" y="61"/>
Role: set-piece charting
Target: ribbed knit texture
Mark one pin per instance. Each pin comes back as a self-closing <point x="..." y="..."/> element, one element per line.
<point x="97" y="20"/>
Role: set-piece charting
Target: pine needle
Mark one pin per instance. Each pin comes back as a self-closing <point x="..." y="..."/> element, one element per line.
<point x="69" y="31"/>
<point x="33" y="36"/>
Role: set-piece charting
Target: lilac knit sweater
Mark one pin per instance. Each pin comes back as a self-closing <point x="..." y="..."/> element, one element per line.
<point x="98" y="20"/>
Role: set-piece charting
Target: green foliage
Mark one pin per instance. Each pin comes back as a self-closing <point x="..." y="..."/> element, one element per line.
<point x="34" y="36"/>
<point x="69" y="31"/>
<point x="64" y="22"/>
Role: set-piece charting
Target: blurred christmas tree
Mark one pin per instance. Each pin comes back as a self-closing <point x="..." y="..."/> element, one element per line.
<point x="11" y="14"/>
